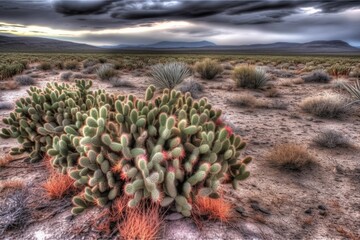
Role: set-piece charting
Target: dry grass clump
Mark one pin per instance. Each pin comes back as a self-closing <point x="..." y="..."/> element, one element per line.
<point x="11" y="184"/>
<point x="169" y="75"/>
<point x="272" y="93"/>
<point x="13" y="211"/>
<point x="44" y="66"/>
<point x="106" y="72"/>
<point x="59" y="65"/>
<point x="141" y="223"/>
<point x="193" y="87"/>
<point x="249" y="77"/>
<point x="8" y="85"/>
<point x="118" y="82"/>
<point x="208" y="69"/>
<point x="331" y="139"/>
<point x="217" y="209"/>
<point x="291" y="156"/>
<point x="71" y="65"/>
<point x="5" y="160"/>
<point x="244" y="100"/>
<point x="326" y="106"/>
<point x="317" y="76"/>
<point x="58" y="185"/>
<point x="25" y="80"/>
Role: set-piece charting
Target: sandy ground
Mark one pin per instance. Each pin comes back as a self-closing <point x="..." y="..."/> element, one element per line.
<point x="322" y="202"/>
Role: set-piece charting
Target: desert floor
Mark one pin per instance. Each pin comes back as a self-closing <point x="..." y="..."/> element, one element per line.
<point x="319" y="202"/>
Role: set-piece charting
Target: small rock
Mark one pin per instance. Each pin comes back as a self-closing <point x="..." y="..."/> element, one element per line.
<point x="257" y="207"/>
<point x="323" y="213"/>
<point x="241" y="210"/>
<point x="322" y="207"/>
<point x="174" y="216"/>
<point x="308" y="211"/>
<point x="309" y="118"/>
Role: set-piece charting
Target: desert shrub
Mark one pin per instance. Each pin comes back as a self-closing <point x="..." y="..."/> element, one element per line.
<point x="65" y="76"/>
<point x="326" y="106"/>
<point x="331" y="139"/>
<point x="208" y="69"/>
<point x="249" y="77"/>
<point x="6" y="105"/>
<point x="118" y="82"/>
<point x="103" y="60"/>
<point x="106" y="72"/>
<point x="168" y="145"/>
<point x="10" y="70"/>
<point x="193" y="87"/>
<point x="317" y="76"/>
<point x="71" y="65"/>
<point x="44" y="66"/>
<point x="24" y="80"/>
<point x="169" y="75"/>
<point x="227" y="66"/>
<point x="290" y="156"/>
<point x="339" y="70"/>
<point x="90" y="70"/>
<point x="354" y="90"/>
<point x="59" y="65"/>
<point x="90" y="62"/>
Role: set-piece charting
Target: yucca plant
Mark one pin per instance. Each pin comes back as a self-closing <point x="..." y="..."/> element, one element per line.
<point x="354" y="90"/>
<point x="169" y="75"/>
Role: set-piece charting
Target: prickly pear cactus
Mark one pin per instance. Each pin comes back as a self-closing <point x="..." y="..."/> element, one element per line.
<point x="167" y="149"/>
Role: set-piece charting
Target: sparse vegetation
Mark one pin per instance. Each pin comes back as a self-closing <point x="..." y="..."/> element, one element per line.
<point x="169" y="75"/>
<point x="249" y="77"/>
<point x="291" y="156"/>
<point x="208" y="68"/>
<point x="318" y="76"/>
<point x="326" y="106"/>
<point x="331" y="139"/>
<point x="24" y="80"/>
<point x="10" y="70"/>
<point x="105" y="72"/>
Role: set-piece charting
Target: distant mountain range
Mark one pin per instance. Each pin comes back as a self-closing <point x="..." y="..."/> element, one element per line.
<point x="34" y="44"/>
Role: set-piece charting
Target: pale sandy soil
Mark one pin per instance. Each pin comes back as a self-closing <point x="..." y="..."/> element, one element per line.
<point x="274" y="202"/>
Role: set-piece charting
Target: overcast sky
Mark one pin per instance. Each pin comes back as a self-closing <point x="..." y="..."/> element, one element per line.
<point x="105" y="22"/>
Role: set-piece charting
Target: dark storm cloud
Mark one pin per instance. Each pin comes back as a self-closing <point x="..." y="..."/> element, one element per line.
<point x="211" y="18"/>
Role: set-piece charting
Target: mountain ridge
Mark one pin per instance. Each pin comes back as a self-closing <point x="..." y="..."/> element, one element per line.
<point x="36" y="44"/>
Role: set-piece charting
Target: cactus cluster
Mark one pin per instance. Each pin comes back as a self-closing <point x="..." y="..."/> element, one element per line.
<point x="167" y="148"/>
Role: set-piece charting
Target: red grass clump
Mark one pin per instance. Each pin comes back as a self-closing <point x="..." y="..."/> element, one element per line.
<point x="142" y="222"/>
<point x="6" y="159"/>
<point x="58" y="185"/>
<point x="217" y="209"/>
